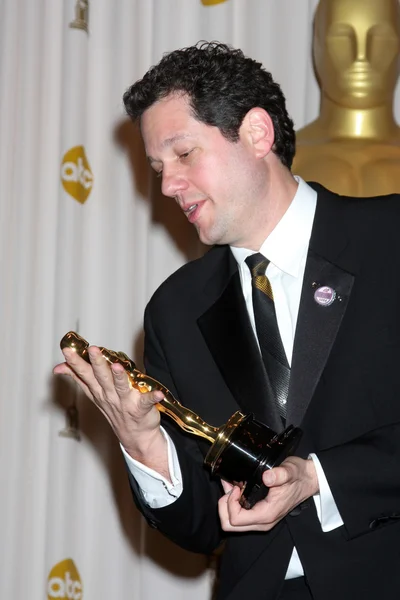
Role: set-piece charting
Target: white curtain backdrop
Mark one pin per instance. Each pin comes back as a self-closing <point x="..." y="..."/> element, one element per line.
<point x="85" y="239"/>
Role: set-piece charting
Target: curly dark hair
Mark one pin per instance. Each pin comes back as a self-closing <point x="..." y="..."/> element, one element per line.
<point x="222" y="85"/>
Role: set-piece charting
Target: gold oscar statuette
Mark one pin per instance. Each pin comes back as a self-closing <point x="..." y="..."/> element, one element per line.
<point x="241" y="450"/>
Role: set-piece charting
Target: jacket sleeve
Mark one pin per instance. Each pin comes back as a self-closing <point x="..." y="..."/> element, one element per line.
<point x="191" y="521"/>
<point x="364" y="476"/>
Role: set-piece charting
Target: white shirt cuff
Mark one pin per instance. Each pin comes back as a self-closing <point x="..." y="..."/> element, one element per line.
<point x="325" y="504"/>
<point x="157" y="491"/>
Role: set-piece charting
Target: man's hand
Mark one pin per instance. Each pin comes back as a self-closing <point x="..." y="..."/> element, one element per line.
<point x="289" y="484"/>
<point x="132" y="415"/>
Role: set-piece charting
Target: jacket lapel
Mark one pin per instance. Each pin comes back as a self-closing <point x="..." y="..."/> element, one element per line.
<point x="316" y="331"/>
<point x="226" y="328"/>
<point x="318" y="325"/>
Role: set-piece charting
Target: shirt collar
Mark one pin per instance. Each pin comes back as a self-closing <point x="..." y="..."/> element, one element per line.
<point x="288" y="241"/>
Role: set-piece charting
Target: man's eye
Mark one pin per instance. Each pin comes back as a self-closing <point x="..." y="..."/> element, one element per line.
<point x="185" y="154"/>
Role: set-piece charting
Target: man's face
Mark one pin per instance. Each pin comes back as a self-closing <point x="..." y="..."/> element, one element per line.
<point x="216" y="183"/>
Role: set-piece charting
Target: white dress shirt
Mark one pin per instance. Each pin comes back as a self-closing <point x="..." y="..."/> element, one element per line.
<point x="286" y="248"/>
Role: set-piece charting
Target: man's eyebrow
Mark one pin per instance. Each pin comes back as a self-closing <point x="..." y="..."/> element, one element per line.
<point x="169" y="142"/>
<point x="175" y="138"/>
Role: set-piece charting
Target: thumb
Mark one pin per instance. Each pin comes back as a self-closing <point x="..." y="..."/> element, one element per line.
<point x="149" y="399"/>
<point x="276" y="477"/>
<point x="124" y="387"/>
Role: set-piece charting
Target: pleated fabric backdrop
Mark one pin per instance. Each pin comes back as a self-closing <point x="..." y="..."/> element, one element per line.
<point x="85" y="238"/>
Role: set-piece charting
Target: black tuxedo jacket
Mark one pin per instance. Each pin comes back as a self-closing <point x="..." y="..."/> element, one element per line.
<point x="344" y="393"/>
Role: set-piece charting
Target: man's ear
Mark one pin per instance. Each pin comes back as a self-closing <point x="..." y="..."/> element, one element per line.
<point x="258" y="129"/>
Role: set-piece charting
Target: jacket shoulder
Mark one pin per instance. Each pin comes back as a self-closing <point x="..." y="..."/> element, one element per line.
<point x="372" y="204"/>
<point x="191" y="278"/>
<point x="380" y="213"/>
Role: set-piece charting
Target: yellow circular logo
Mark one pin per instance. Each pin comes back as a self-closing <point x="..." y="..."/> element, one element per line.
<point x="64" y="581"/>
<point x="76" y="175"/>
<point x="211" y="2"/>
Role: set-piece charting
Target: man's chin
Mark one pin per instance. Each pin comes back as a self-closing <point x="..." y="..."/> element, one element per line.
<point x="207" y="239"/>
<point x="212" y="242"/>
<point x="210" y="237"/>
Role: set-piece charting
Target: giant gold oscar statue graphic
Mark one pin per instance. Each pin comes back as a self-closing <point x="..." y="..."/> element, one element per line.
<point x="241" y="450"/>
<point x="353" y="147"/>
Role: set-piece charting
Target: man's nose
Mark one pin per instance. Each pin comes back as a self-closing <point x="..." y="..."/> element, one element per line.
<point x="173" y="183"/>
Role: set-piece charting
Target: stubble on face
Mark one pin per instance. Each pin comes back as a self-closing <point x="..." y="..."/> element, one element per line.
<point x="238" y="216"/>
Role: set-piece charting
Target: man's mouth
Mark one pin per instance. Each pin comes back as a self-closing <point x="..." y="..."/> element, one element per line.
<point x="190" y="209"/>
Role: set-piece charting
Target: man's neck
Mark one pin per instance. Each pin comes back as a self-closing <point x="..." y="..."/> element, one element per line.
<point x="282" y="190"/>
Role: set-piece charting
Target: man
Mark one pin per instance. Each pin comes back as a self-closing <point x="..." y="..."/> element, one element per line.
<point x="216" y="130"/>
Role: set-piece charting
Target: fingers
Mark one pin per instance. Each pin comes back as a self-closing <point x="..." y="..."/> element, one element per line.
<point x="107" y="384"/>
<point x="94" y="378"/>
<point x="131" y="414"/>
<point x="64" y="369"/>
<point x="83" y="370"/>
<point x="114" y="380"/>
<point x="123" y="387"/>
<point x="225" y="506"/>
<point x="235" y="518"/>
<point x="120" y="383"/>
<point x="290" y="483"/>
<point x="103" y="374"/>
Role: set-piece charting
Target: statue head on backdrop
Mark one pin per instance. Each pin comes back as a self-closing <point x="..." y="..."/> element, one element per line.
<point x="356" y="51"/>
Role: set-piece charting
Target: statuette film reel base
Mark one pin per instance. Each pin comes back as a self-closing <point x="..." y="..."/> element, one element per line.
<point x="241" y="450"/>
